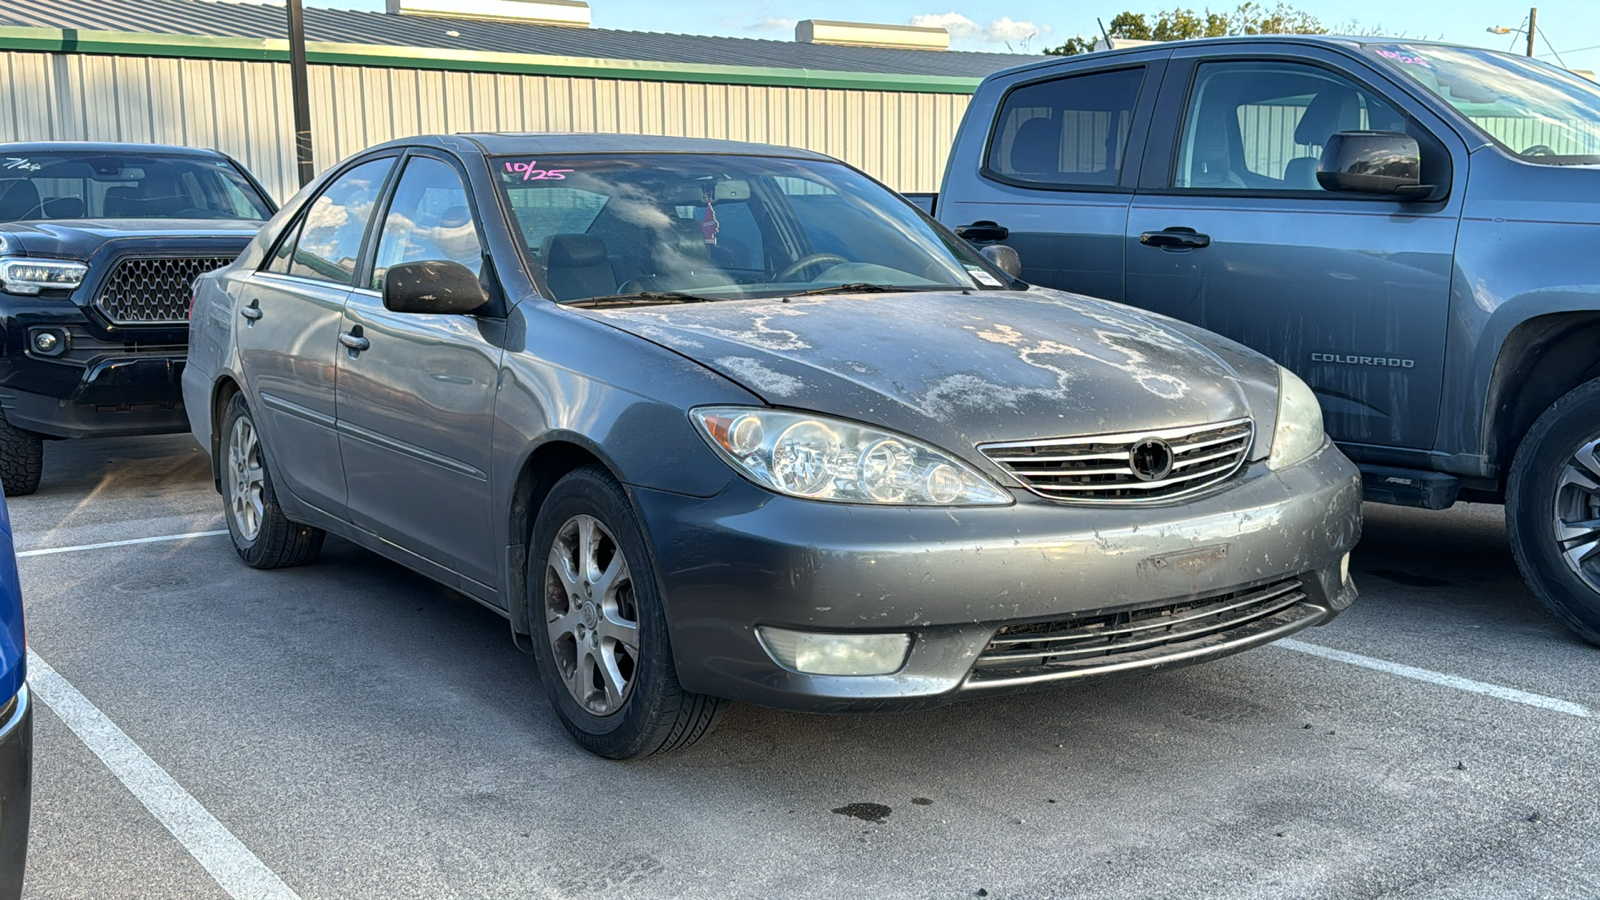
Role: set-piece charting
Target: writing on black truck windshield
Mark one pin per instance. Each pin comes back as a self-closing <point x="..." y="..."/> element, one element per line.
<point x="1542" y="114"/>
<point x="684" y="227"/>
<point x="100" y="185"/>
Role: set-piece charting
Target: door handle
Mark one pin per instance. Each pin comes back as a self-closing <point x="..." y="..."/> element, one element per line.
<point x="1176" y="238"/>
<point x="251" y="312"/>
<point x="983" y="231"/>
<point x="354" y="340"/>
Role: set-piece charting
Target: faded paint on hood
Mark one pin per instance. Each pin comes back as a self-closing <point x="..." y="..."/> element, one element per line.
<point x="955" y="368"/>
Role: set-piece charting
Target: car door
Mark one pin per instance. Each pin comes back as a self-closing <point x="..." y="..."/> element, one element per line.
<point x="1231" y="230"/>
<point x="1057" y="173"/>
<point x="290" y="311"/>
<point x="416" y="391"/>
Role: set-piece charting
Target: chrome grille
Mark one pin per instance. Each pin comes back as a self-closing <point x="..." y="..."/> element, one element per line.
<point x="1103" y="638"/>
<point x="155" y="290"/>
<point x="1101" y="468"/>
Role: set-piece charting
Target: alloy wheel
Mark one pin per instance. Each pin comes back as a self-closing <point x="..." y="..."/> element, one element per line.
<point x="591" y="617"/>
<point x="246" y="481"/>
<point x="1577" y="513"/>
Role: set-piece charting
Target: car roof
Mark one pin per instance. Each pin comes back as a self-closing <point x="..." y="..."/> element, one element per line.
<point x="1340" y="41"/>
<point x="504" y="143"/>
<point x="104" y="147"/>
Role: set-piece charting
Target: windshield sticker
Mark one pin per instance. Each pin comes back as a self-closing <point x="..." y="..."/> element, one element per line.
<point x="982" y="277"/>
<point x="1409" y="59"/>
<point x="530" y="172"/>
<point x="20" y="163"/>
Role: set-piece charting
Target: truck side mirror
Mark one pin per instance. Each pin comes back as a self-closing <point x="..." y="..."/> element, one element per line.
<point x="435" y="286"/>
<point x="1372" y="162"/>
<point x="1005" y="259"/>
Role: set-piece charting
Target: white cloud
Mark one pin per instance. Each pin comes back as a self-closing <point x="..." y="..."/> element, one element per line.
<point x="772" y="23"/>
<point x="999" y="31"/>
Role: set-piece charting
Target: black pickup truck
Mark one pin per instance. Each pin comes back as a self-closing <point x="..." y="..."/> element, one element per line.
<point x="99" y="244"/>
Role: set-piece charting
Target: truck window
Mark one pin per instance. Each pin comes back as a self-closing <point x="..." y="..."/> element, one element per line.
<point x="1262" y="126"/>
<point x="1067" y="132"/>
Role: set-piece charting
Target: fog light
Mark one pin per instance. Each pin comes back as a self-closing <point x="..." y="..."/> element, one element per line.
<point x="49" y="342"/>
<point x="835" y="654"/>
<point x="1344" y="569"/>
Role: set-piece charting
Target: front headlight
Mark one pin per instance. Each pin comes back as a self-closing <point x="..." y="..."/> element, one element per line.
<point x="820" y="458"/>
<point x="1298" y="433"/>
<point x="30" y="276"/>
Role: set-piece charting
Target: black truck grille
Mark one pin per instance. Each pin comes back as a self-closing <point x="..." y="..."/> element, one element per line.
<point x="1100" y="639"/>
<point x="152" y="291"/>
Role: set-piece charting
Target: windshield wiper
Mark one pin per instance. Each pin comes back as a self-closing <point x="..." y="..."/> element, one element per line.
<point x="857" y="287"/>
<point x="642" y="297"/>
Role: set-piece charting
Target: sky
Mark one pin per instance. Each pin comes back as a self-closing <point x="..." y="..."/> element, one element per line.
<point x="1572" y="27"/>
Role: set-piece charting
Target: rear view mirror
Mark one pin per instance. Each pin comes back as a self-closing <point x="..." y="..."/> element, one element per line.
<point x="435" y="286"/>
<point x="1005" y="258"/>
<point x="1372" y="162"/>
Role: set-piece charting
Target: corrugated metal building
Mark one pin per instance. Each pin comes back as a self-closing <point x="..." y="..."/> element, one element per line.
<point x="215" y="74"/>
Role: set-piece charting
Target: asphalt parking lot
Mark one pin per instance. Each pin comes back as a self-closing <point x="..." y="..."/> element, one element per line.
<point x="351" y="730"/>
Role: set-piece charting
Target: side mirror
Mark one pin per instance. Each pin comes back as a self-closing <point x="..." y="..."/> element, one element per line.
<point x="1005" y="259"/>
<point x="1372" y="162"/>
<point x="435" y="286"/>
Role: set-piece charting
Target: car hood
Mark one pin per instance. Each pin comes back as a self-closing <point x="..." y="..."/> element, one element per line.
<point x="79" y="238"/>
<point x="955" y="368"/>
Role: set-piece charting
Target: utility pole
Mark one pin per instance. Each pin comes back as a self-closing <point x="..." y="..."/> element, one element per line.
<point x="1533" y="20"/>
<point x="302" y="92"/>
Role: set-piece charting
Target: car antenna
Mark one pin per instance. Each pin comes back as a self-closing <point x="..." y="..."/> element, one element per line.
<point x="1105" y="34"/>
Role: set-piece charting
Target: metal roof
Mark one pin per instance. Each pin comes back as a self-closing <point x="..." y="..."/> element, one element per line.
<point x="208" y="18"/>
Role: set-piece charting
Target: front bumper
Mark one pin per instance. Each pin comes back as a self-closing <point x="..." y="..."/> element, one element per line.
<point x="16" y="792"/>
<point x="108" y="381"/>
<point x="954" y="577"/>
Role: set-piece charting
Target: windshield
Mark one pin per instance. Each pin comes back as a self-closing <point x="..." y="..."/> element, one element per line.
<point x="1540" y="113"/>
<point x="696" y="226"/>
<point x="99" y="185"/>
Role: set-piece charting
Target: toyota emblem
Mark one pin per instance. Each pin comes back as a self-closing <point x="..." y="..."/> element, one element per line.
<point x="1150" y="459"/>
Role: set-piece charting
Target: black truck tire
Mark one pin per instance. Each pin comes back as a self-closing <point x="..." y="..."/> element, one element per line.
<point x="1553" y="509"/>
<point x="21" y="459"/>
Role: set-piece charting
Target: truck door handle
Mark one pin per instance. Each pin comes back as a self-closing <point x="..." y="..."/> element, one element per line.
<point x="251" y="312"/>
<point x="1177" y="238"/>
<point x="983" y="231"/>
<point x="354" y="340"/>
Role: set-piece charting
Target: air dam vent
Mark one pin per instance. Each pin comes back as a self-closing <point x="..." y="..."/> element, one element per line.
<point x="861" y="34"/>
<point x="570" y="13"/>
<point x="1135" y="467"/>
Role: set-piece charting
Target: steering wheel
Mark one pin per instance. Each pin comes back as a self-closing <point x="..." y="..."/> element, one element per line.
<point x="1538" y="150"/>
<point x="806" y="262"/>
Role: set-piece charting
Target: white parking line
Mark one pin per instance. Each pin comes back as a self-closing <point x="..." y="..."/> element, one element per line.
<point x="1440" y="678"/>
<point x="46" y="551"/>
<point x="239" y="872"/>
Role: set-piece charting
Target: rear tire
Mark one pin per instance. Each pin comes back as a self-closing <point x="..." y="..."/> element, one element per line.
<point x="599" y="633"/>
<point x="262" y="535"/>
<point x="21" y="459"/>
<point x="1553" y="509"/>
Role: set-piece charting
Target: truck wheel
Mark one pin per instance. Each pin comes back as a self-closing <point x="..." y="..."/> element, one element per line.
<point x="262" y="535"/>
<point x="1553" y="509"/>
<point x="21" y="459"/>
<point x="599" y="634"/>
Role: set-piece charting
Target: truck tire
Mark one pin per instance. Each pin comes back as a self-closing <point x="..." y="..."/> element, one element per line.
<point x="1553" y="509"/>
<point x="21" y="459"/>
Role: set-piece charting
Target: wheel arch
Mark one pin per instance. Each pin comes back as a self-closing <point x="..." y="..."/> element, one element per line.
<point x="1542" y="359"/>
<point x="222" y="393"/>
<point x="543" y="466"/>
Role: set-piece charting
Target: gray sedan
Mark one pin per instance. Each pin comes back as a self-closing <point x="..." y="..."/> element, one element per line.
<point x="712" y="421"/>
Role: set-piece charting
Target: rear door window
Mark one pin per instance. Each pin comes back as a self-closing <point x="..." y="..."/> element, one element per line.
<point x="1068" y="132"/>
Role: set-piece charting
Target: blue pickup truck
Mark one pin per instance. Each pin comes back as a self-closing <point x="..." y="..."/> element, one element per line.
<point x="1410" y="227"/>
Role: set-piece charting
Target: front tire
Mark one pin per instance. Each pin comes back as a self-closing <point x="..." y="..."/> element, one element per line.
<point x="21" y="459"/>
<point x="600" y="635"/>
<point x="262" y="535"/>
<point x="1553" y="509"/>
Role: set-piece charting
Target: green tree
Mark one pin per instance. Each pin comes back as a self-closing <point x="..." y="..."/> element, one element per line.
<point x="1179" y="24"/>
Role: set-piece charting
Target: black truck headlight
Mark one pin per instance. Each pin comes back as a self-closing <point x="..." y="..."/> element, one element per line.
<point x="30" y="276"/>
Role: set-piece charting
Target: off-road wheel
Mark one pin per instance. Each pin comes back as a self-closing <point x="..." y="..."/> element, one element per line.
<point x="21" y="459"/>
<point x="600" y="635"/>
<point x="1553" y="509"/>
<point x="263" y="536"/>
